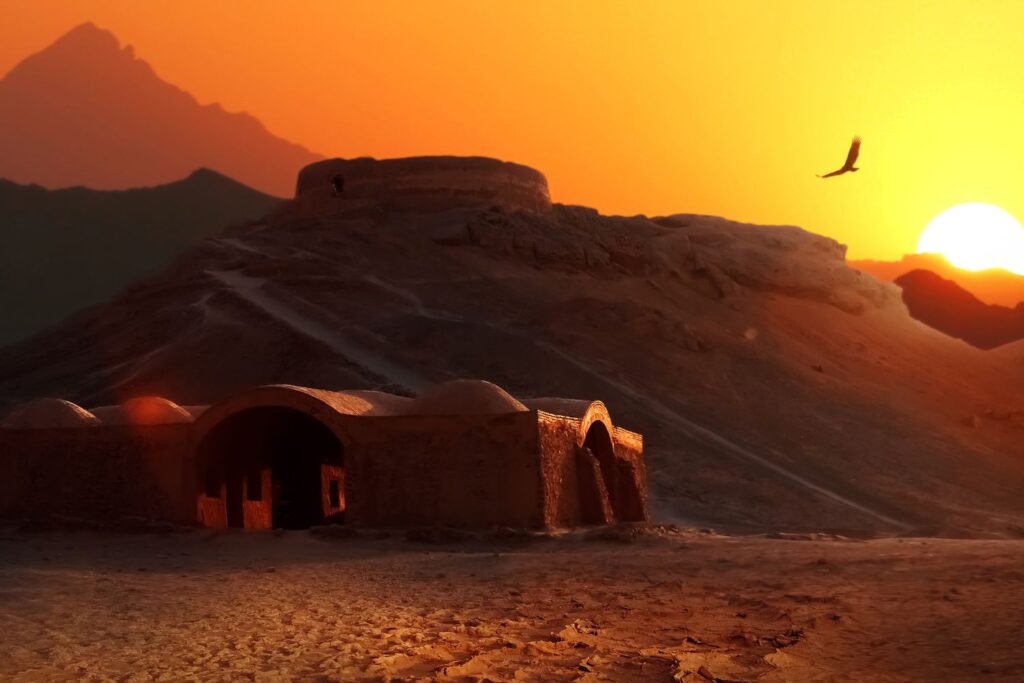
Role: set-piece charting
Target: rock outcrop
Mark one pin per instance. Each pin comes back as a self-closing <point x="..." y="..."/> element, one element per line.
<point x="721" y="256"/>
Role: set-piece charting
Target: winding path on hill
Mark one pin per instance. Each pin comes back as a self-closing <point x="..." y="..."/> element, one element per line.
<point x="252" y="290"/>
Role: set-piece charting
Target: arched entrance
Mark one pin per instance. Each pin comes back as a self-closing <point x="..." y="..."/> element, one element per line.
<point x="599" y="442"/>
<point x="271" y="467"/>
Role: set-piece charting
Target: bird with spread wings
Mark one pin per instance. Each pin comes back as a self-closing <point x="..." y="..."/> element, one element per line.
<point x="851" y="159"/>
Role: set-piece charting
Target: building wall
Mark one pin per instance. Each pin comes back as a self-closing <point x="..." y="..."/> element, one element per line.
<point x="258" y="511"/>
<point x="518" y="470"/>
<point x="418" y="184"/>
<point x="333" y="476"/>
<point x="562" y="503"/>
<point x="632" y="476"/>
<point x="211" y="512"/>
<point x="571" y="481"/>
<point x="468" y="471"/>
<point x="100" y="472"/>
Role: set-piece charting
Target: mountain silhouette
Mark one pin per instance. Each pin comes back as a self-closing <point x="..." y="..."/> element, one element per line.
<point x="86" y="111"/>
<point x="992" y="286"/>
<point x="65" y="249"/>
<point x="949" y="308"/>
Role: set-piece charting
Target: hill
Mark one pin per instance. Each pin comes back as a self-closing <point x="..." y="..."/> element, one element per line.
<point x="776" y="387"/>
<point x="86" y="111"/>
<point x="66" y="249"/>
<point x="949" y="308"/>
<point x="993" y="286"/>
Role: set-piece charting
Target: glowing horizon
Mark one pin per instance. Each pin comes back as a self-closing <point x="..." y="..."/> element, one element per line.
<point x="975" y="236"/>
<point x="664" y="107"/>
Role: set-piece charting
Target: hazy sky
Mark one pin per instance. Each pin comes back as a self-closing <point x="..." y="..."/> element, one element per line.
<point x="726" y="108"/>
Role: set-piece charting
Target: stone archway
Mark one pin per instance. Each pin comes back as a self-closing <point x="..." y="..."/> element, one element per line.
<point x="598" y="441"/>
<point x="270" y="467"/>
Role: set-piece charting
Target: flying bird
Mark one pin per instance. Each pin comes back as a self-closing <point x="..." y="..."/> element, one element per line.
<point x="851" y="159"/>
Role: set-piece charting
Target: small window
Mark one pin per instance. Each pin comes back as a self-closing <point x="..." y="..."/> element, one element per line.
<point x="334" y="493"/>
<point x="254" y="485"/>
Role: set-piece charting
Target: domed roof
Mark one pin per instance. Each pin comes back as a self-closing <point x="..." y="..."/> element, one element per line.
<point x="570" y="407"/>
<point x="49" y="413"/>
<point x="351" y="402"/>
<point x="381" y="403"/>
<point x="144" y="410"/>
<point x="466" y="397"/>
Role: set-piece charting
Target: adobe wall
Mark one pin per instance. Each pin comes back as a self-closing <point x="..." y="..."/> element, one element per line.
<point x="568" y="477"/>
<point x="465" y="471"/>
<point x="558" y="437"/>
<point x="518" y="470"/>
<point x="632" y="476"/>
<point x="422" y="184"/>
<point x="100" y="472"/>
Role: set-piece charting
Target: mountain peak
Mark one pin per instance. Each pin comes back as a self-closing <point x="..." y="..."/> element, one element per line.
<point x="86" y="111"/>
<point x="946" y="306"/>
<point x="205" y="173"/>
<point x="87" y="48"/>
<point x="86" y="41"/>
<point x="88" y="35"/>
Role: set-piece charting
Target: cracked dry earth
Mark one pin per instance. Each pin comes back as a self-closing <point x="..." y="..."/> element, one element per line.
<point x="659" y="605"/>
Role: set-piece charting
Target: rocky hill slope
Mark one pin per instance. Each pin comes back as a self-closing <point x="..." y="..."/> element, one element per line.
<point x="66" y="249"/>
<point x="776" y="387"/>
<point x="85" y="111"/>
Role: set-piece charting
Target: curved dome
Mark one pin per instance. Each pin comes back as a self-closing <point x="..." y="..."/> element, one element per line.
<point x="144" y="410"/>
<point x="466" y="397"/>
<point x="196" y="411"/>
<point x="570" y="407"/>
<point x="49" y="413"/>
<point x="353" y="402"/>
<point x="381" y="402"/>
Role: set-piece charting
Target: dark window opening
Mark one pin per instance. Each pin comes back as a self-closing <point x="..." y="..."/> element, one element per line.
<point x="334" y="493"/>
<point x="254" y="485"/>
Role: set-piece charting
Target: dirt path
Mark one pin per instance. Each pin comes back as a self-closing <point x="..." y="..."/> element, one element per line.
<point x="671" y="606"/>
<point x="251" y="289"/>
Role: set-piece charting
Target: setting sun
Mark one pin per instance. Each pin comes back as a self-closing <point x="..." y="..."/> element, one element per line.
<point x="976" y="236"/>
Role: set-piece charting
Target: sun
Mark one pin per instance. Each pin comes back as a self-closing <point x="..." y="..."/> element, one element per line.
<point x="975" y="236"/>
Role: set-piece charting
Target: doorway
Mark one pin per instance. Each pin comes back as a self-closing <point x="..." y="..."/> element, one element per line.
<point x="274" y="467"/>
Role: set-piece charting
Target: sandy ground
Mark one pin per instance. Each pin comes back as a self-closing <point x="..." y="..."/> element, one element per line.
<point x="661" y="606"/>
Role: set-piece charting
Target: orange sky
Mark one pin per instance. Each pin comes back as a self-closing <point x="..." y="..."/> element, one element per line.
<point x="724" y="108"/>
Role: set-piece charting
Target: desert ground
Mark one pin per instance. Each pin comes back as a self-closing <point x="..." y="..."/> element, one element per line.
<point x="658" y="604"/>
